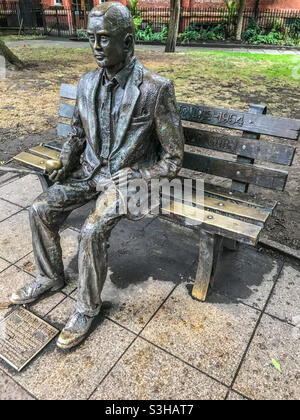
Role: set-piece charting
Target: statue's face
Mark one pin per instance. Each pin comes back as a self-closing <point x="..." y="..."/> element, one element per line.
<point x="107" y="42"/>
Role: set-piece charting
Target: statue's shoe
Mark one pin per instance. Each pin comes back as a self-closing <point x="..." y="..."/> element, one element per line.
<point x="75" y="331"/>
<point x="32" y="291"/>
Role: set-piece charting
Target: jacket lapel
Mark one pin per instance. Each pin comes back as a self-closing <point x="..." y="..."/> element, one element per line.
<point x="92" y="109"/>
<point x="131" y="95"/>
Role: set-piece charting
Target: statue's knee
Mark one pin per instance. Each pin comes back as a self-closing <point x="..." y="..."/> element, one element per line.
<point x="39" y="210"/>
<point x="91" y="231"/>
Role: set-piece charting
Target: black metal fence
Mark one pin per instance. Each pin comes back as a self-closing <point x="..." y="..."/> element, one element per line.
<point x="157" y="18"/>
<point x="58" y="21"/>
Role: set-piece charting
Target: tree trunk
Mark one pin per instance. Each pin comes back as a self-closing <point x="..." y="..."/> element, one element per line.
<point x="10" y="56"/>
<point x="239" y="25"/>
<point x="173" y="26"/>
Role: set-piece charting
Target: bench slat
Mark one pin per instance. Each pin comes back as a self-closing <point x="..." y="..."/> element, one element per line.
<point x="227" y="208"/>
<point x="216" y="223"/>
<point x="66" y="110"/>
<point x="251" y="174"/>
<point x="31" y="160"/>
<point x="262" y="150"/>
<point x="243" y="121"/>
<point x="233" y="209"/>
<point x="45" y="151"/>
<point x="63" y="129"/>
<point x="68" y="91"/>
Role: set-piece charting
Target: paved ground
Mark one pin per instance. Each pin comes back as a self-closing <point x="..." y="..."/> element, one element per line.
<point x="152" y="340"/>
<point x="62" y="42"/>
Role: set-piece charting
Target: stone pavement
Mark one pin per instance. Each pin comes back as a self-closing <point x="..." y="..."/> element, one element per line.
<point x="153" y="340"/>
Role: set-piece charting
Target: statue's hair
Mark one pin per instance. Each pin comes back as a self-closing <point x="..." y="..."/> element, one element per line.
<point x="117" y="14"/>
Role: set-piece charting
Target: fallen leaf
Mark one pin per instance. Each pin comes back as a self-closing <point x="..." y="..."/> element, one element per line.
<point x="276" y="365"/>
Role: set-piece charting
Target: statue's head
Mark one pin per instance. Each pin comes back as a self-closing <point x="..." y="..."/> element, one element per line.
<point x="111" y="33"/>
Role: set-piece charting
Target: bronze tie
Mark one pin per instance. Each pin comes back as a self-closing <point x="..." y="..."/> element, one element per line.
<point x="105" y="123"/>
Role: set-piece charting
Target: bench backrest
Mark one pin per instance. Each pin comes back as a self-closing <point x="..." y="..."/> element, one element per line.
<point x="246" y="148"/>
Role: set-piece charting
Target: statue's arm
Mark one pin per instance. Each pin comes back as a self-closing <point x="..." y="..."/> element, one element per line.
<point x="170" y="134"/>
<point x="75" y="144"/>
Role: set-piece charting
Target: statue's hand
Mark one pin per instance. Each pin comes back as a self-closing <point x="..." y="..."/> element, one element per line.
<point x="59" y="175"/>
<point x="123" y="176"/>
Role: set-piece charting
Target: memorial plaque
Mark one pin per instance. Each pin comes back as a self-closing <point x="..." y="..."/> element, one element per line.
<point x="22" y="336"/>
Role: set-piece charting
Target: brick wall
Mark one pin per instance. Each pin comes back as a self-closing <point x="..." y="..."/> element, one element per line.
<point x="264" y="4"/>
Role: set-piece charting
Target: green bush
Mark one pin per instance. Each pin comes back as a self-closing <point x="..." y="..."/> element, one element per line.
<point x="81" y="34"/>
<point x="193" y="32"/>
<point x="148" y="35"/>
<point x="277" y="34"/>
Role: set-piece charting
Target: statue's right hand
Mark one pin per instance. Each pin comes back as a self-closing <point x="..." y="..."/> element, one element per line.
<point x="58" y="175"/>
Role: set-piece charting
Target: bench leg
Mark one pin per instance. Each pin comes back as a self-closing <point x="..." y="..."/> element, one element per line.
<point x="45" y="182"/>
<point x="210" y="252"/>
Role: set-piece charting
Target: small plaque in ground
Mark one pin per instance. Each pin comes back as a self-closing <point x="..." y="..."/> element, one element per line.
<point x="22" y="336"/>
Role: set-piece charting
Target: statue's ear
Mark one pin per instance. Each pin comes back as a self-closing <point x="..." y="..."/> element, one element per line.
<point x="128" y="42"/>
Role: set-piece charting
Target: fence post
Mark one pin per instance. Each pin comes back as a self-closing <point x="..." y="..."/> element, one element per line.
<point x="44" y="18"/>
<point x="57" y="23"/>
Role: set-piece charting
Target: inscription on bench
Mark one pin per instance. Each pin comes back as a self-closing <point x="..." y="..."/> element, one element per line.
<point x="212" y="116"/>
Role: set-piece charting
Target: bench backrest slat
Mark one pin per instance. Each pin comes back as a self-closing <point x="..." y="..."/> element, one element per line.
<point x="262" y="150"/>
<point x="250" y="174"/>
<point x="68" y="91"/>
<point x="66" y="110"/>
<point x="243" y="121"/>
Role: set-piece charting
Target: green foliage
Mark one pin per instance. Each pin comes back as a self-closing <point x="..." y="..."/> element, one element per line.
<point x="229" y="13"/>
<point x="137" y="22"/>
<point x="132" y="5"/>
<point x="81" y="34"/>
<point x="276" y="34"/>
<point x="194" y="33"/>
<point x="148" y="35"/>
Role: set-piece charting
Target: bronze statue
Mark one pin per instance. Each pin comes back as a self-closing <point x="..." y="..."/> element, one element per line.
<point x="126" y="126"/>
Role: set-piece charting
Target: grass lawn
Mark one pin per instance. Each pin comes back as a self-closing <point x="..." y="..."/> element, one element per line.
<point x="20" y="37"/>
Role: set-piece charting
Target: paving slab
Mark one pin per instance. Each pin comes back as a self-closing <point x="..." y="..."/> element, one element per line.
<point x="12" y="279"/>
<point x="62" y="375"/>
<point x="6" y="178"/>
<point x="7" y="209"/>
<point x="23" y="191"/>
<point x="212" y="335"/>
<point x="247" y="276"/>
<point x="234" y="396"/>
<point x="69" y="244"/>
<point x="285" y="300"/>
<point x="3" y="264"/>
<point x="133" y="306"/>
<point x="11" y="391"/>
<point x="148" y="373"/>
<point x="15" y="237"/>
<point x="159" y="250"/>
<point x="258" y="379"/>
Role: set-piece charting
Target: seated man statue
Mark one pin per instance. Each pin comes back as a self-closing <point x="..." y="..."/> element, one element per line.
<point x="126" y="125"/>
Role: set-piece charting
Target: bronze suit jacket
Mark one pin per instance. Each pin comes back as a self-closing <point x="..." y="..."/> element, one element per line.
<point x="149" y="135"/>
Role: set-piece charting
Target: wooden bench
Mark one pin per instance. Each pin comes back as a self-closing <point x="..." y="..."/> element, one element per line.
<point x="228" y="217"/>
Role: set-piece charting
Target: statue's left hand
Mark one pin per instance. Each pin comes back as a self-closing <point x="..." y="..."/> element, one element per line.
<point x="123" y="176"/>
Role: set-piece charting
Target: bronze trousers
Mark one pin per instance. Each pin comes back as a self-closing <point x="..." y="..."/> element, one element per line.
<point x="48" y="213"/>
